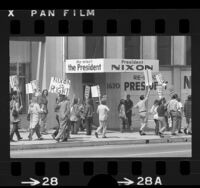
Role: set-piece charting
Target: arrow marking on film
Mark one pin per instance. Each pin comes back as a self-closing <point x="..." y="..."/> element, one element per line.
<point x="127" y="182"/>
<point x="33" y="182"/>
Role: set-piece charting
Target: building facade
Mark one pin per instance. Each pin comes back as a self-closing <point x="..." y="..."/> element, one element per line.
<point x="41" y="58"/>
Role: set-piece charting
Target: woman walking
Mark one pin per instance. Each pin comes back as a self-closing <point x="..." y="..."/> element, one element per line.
<point x="42" y="100"/>
<point x="122" y="115"/>
<point x="155" y="115"/>
<point x="34" y="111"/>
<point x="14" y="117"/>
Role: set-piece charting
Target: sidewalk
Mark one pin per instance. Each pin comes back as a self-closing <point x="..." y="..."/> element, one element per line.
<point x="113" y="138"/>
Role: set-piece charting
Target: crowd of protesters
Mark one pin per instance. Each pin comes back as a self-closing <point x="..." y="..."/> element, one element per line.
<point x="76" y="115"/>
<point x="167" y="115"/>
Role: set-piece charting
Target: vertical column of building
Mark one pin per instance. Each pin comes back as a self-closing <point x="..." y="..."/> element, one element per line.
<point x="148" y="47"/>
<point x="178" y="59"/>
<point x="52" y="66"/>
<point x="75" y="50"/>
<point x="114" y="48"/>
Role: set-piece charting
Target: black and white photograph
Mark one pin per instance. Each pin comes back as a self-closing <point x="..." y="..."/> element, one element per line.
<point x="100" y="96"/>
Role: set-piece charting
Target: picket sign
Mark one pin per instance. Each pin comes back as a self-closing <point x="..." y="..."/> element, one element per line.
<point x="29" y="88"/>
<point x="35" y="85"/>
<point x="87" y="91"/>
<point x="160" y="91"/>
<point x="95" y="91"/>
<point x="14" y="82"/>
<point x="59" y="86"/>
<point x="148" y="77"/>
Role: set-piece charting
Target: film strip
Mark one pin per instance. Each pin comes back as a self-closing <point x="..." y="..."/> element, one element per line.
<point x="52" y="164"/>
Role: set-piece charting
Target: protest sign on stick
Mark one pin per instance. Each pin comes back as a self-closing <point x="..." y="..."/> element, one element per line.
<point x="148" y="77"/>
<point x="96" y="92"/>
<point x="87" y="91"/>
<point x="14" y="82"/>
<point x="59" y="86"/>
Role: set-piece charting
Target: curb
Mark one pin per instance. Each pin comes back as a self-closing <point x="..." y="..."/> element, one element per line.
<point x="97" y="143"/>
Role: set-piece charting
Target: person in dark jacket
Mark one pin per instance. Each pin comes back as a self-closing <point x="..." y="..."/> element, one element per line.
<point x="188" y="114"/>
<point x="89" y="112"/>
<point x="128" y="109"/>
<point x="161" y="116"/>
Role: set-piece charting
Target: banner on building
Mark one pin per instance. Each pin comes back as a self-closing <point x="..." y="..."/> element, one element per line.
<point x="29" y="88"/>
<point x="111" y="65"/>
<point x="148" y="77"/>
<point x="95" y="91"/>
<point x="59" y="86"/>
<point x="14" y="82"/>
<point x="87" y="91"/>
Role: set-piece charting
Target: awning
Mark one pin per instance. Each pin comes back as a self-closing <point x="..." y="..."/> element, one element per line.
<point x="110" y="65"/>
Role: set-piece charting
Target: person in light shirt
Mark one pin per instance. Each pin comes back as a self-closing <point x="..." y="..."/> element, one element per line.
<point x="172" y="109"/>
<point x="102" y="110"/>
<point x="180" y="113"/>
<point x="142" y="107"/>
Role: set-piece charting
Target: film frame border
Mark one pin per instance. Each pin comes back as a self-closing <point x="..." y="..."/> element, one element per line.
<point x="161" y="26"/>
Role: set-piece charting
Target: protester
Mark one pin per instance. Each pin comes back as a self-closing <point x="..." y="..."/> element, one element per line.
<point x="172" y="108"/>
<point x="128" y="108"/>
<point x="155" y="115"/>
<point x="142" y="107"/>
<point x="161" y="109"/>
<point x="88" y="114"/>
<point x="14" y="117"/>
<point x="42" y="100"/>
<point x="102" y="110"/>
<point x="81" y="113"/>
<point x="74" y="116"/>
<point x="64" y="119"/>
<point x="180" y="113"/>
<point x="34" y="110"/>
<point x="56" y="109"/>
<point x="122" y="115"/>
<point x="188" y="115"/>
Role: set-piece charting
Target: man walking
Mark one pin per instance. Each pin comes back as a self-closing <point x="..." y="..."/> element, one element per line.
<point x="172" y="108"/>
<point x="142" y="107"/>
<point x="102" y="110"/>
<point x="128" y="109"/>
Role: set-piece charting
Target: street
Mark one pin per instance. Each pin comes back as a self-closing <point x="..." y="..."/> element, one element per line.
<point x="131" y="150"/>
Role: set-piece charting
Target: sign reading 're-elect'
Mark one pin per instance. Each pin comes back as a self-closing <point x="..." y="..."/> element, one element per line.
<point x="111" y="65"/>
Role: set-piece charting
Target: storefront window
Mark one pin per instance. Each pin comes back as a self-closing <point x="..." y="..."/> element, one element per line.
<point x="132" y="47"/>
<point x="164" y="50"/>
<point x="94" y="47"/>
<point x="188" y="50"/>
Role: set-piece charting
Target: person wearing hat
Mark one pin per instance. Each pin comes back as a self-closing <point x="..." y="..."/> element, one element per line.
<point x="102" y="110"/>
<point x="128" y="109"/>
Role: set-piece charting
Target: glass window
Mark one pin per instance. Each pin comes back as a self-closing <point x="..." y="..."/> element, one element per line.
<point x="132" y="47"/>
<point x="188" y="50"/>
<point x="164" y="50"/>
<point x="94" y="47"/>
